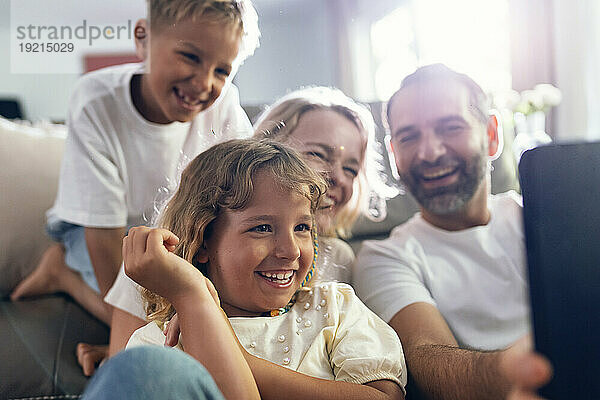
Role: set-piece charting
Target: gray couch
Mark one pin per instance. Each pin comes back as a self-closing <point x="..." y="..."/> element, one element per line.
<point x="38" y="336"/>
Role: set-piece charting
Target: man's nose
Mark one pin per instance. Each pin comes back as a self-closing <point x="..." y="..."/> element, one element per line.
<point x="431" y="147"/>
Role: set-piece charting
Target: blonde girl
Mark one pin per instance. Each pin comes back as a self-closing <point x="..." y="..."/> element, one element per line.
<point x="243" y="221"/>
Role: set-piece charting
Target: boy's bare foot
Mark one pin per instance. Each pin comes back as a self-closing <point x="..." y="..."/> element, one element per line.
<point x="90" y="356"/>
<point x="46" y="277"/>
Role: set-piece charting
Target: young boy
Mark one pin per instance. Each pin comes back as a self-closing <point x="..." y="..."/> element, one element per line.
<point x="132" y="128"/>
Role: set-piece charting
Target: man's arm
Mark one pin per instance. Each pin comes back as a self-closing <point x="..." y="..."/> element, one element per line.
<point x="440" y="368"/>
<point x="104" y="247"/>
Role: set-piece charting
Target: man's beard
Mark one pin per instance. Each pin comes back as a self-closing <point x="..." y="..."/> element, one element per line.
<point x="452" y="198"/>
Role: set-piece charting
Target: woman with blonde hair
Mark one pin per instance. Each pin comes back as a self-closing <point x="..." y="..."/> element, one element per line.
<point x="336" y="136"/>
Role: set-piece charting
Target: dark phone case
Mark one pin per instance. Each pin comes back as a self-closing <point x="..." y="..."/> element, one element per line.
<point x="561" y="198"/>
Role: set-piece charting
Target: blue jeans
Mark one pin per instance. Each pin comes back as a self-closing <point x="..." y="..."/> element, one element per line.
<point x="152" y="372"/>
<point x="77" y="257"/>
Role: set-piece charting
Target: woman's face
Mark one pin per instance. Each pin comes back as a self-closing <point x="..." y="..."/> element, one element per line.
<point x="334" y="146"/>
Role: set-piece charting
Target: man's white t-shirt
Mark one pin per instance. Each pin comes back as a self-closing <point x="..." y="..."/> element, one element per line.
<point x="118" y="168"/>
<point x="475" y="277"/>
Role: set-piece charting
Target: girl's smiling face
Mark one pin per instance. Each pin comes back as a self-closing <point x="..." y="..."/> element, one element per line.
<point x="258" y="256"/>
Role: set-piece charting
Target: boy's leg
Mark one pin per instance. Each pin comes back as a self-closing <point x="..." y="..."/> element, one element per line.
<point x="47" y="277"/>
<point x="152" y="372"/>
<point x="66" y="268"/>
<point x="89" y="356"/>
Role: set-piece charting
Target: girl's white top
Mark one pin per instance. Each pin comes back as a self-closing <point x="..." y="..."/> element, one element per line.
<point x="328" y="333"/>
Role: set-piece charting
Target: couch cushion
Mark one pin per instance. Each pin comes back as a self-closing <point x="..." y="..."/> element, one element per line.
<point x="39" y="337"/>
<point x="29" y="168"/>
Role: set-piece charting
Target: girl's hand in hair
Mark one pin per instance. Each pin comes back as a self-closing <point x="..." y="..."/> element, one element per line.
<point x="148" y="258"/>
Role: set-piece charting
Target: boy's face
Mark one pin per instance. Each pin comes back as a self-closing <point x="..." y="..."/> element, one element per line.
<point x="189" y="63"/>
<point x="258" y="256"/>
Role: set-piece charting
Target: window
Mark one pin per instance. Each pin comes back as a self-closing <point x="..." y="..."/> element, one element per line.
<point x="469" y="36"/>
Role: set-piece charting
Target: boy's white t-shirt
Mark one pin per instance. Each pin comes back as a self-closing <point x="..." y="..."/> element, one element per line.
<point x="327" y="334"/>
<point x="476" y="277"/>
<point x="118" y="168"/>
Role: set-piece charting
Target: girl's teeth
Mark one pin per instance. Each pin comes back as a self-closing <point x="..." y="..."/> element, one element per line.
<point x="279" y="276"/>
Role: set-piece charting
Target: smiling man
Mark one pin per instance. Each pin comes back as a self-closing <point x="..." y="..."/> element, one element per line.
<point x="452" y="280"/>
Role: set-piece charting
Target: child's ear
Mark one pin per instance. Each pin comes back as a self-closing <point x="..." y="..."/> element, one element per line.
<point x="141" y="35"/>
<point x="201" y="256"/>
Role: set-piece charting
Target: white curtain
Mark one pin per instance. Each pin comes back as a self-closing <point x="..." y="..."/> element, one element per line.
<point x="352" y="20"/>
<point x="558" y="42"/>
<point x="577" y="60"/>
<point x="552" y="41"/>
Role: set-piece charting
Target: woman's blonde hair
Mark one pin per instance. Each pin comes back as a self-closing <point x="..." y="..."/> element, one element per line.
<point x="239" y="13"/>
<point x="221" y="178"/>
<point x="279" y="120"/>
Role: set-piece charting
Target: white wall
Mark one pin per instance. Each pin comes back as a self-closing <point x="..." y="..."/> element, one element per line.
<point x="45" y="96"/>
<point x="42" y="96"/>
<point x="297" y="49"/>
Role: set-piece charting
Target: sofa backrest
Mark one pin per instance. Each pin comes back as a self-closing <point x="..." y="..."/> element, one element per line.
<point x="29" y="168"/>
